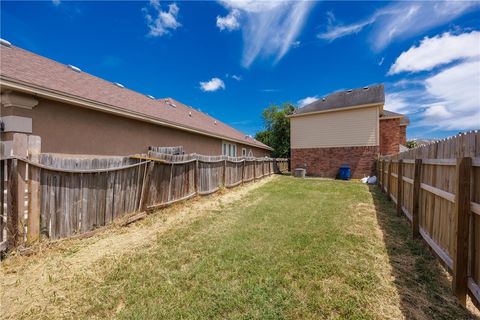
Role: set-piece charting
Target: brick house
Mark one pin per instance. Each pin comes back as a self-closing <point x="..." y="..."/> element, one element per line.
<point x="348" y="127"/>
<point x="77" y="113"/>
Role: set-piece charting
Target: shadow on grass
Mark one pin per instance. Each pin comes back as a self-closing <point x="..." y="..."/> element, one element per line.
<point x="423" y="285"/>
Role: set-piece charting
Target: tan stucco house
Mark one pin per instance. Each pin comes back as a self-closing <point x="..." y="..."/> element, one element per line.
<point x="77" y="113"/>
<point x="347" y="127"/>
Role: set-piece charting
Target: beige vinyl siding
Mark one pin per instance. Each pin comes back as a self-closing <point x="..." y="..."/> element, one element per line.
<point x="355" y="127"/>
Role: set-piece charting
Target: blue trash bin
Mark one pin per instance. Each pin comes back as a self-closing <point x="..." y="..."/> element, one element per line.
<point x="344" y="172"/>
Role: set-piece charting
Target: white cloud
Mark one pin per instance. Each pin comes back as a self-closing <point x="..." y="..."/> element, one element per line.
<point x="396" y="102"/>
<point x="437" y="112"/>
<point x="213" y="85"/>
<point x="447" y="100"/>
<point x="56" y="2"/>
<point x="164" y="22"/>
<point x="238" y="78"/>
<point x="229" y="22"/>
<point x="437" y="51"/>
<point x="269" y="28"/>
<point x="305" y="101"/>
<point x="456" y="89"/>
<point x="400" y="20"/>
<point x="336" y="30"/>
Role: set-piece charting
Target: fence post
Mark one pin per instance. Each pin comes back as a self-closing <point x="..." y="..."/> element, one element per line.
<point x="382" y="176"/>
<point x="462" y="215"/>
<point x="243" y="170"/>
<point x="224" y="172"/>
<point x="16" y="189"/>
<point x="389" y="179"/>
<point x="417" y="176"/>
<point x="170" y="182"/>
<point x="195" y="174"/>
<point x="33" y="222"/>
<point x="146" y="186"/>
<point x="399" y="187"/>
<point x="2" y="195"/>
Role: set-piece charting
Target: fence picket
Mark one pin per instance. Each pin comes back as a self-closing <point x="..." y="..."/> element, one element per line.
<point x="440" y="212"/>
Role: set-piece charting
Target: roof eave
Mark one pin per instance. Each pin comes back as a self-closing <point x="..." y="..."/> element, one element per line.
<point x="14" y="84"/>
<point x="377" y="104"/>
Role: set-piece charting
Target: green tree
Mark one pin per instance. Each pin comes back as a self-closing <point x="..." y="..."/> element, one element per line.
<point x="276" y="133"/>
<point x="411" y="144"/>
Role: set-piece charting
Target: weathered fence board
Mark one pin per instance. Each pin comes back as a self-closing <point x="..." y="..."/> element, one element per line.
<point x="441" y="200"/>
<point x="74" y="194"/>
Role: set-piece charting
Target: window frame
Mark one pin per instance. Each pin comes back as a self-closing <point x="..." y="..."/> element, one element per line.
<point x="229" y="149"/>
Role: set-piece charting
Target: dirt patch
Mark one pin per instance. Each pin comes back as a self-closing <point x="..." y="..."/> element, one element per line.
<point x="32" y="283"/>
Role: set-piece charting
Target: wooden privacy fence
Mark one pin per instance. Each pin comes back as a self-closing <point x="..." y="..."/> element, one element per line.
<point x="437" y="187"/>
<point x="65" y="196"/>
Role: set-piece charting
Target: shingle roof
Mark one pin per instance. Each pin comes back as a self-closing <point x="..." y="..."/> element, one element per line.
<point x="403" y="121"/>
<point x="349" y="98"/>
<point x="25" y="67"/>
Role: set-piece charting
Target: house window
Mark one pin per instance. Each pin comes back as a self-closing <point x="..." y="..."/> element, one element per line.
<point x="229" y="149"/>
<point x="244" y="152"/>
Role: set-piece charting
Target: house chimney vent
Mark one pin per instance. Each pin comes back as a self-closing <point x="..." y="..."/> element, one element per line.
<point x="76" y="69"/>
<point x="189" y="113"/>
<point x="119" y="85"/>
<point x="151" y="97"/>
<point x="5" y="43"/>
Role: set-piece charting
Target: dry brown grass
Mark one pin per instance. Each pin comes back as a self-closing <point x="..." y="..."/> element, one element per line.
<point x="32" y="283"/>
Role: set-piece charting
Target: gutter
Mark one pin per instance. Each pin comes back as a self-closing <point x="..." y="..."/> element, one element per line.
<point x="10" y="83"/>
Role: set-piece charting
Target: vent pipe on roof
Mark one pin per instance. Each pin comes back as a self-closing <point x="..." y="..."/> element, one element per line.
<point x="5" y="42"/>
<point x="349" y="90"/>
<point x="119" y="85"/>
<point x="365" y="88"/>
<point x="190" y="113"/>
<point x="76" y="69"/>
<point x="215" y="122"/>
<point x="151" y="97"/>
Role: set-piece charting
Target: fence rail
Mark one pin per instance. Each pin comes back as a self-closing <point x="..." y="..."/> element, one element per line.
<point x="437" y="187"/>
<point x="69" y="195"/>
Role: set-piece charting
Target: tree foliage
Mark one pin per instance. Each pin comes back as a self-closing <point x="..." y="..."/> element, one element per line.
<point x="411" y="144"/>
<point x="276" y="133"/>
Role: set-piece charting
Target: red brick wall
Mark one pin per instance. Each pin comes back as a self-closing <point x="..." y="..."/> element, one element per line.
<point x="389" y="136"/>
<point x="403" y="135"/>
<point x="325" y="162"/>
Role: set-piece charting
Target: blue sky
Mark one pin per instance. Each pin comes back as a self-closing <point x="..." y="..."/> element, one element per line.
<point x="231" y="59"/>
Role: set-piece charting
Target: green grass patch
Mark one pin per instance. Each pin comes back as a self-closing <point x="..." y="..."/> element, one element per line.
<point x="291" y="249"/>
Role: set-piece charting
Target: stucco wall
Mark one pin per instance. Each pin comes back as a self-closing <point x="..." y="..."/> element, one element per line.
<point x="75" y="130"/>
<point x="355" y="127"/>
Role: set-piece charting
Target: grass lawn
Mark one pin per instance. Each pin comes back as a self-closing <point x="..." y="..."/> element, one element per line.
<point x="289" y="249"/>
